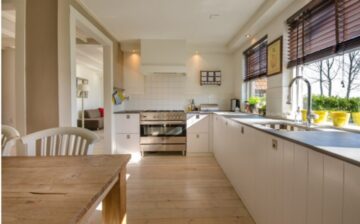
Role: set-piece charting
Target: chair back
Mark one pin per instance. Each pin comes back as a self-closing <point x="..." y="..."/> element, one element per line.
<point x="9" y="135"/>
<point x="64" y="141"/>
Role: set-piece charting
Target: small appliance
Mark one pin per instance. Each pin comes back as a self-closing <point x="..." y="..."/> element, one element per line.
<point x="235" y="105"/>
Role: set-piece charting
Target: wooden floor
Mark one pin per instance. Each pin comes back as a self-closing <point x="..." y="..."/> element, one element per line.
<point x="179" y="190"/>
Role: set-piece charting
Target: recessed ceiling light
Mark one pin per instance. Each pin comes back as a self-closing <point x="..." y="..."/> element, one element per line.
<point x="248" y="36"/>
<point x="213" y="15"/>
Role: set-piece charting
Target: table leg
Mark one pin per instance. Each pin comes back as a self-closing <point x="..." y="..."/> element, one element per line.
<point x="114" y="204"/>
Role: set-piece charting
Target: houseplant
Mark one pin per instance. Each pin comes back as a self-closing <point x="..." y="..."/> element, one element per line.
<point x="340" y="116"/>
<point x="319" y="108"/>
<point x="253" y="102"/>
<point x="355" y="110"/>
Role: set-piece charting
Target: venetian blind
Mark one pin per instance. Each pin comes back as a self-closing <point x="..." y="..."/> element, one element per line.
<point x="323" y="28"/>
<point x="255" y="60"/>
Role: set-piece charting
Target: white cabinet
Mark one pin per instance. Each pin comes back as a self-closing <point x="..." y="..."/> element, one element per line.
<point x="127" y="123"/>
<point x="127" y="129"/>
<point x="197" y="123"/>
<point x="197" y="142"/>
<point x="198" y="137"/>
<point x="128" y="143"/>
<point x="351" y="194"/>
<point x="315" y="187"/>
<point x="300" y="184"/>
<point x="282" y="182"/>
<point x="333" y="190"/>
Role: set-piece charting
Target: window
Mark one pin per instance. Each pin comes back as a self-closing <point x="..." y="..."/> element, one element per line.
<point x="324" y="45"/>
<point x="323" y="28"/>
<point x="256" y="69"/>
<point x="255" y="60"/>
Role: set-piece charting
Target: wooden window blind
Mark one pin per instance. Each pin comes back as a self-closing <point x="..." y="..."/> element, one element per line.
<point x="255" y="60"/>
<point x="323" y="28"/>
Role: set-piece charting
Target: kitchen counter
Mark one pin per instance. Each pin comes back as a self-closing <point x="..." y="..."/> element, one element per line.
<point x="128" y="112"/>
<point x="339" y="144"/>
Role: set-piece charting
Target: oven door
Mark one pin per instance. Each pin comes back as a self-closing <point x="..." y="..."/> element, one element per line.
<point x="163" y="130"/>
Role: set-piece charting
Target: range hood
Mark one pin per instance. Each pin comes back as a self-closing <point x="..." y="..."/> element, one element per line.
<point x="163" y="57"/>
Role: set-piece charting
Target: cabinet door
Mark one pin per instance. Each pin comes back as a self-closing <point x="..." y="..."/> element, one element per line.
<point x="351" y="194"/>
<point x="288" y="182"/>
<point x="127" y="123"/>
<point x="333" y="190"/>
<point x="300" y="184"/>
<point x="275" y="185"/>
<point x="261" y="177"/>
<point x="127" y="143"/>
<point x="315" y="187"/>
<point x="197" y="142"/>
<point x="197" y="123"/>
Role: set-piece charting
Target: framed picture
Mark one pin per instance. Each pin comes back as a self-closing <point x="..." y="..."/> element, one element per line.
<point x="274" y="57"/>
<point x="80" y="81"/>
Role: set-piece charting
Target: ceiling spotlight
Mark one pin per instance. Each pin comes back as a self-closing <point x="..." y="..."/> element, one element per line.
<point x="248" y="36"/>
<point x="213" y="15"/>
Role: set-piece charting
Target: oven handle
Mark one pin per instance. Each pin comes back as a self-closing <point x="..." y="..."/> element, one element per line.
<point x="161" y="122"/>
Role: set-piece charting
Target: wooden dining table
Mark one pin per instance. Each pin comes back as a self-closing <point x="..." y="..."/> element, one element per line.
<point x="63" y="189"/>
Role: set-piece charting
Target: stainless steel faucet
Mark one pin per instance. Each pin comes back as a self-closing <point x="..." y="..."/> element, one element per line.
<point x="309" y="115"/>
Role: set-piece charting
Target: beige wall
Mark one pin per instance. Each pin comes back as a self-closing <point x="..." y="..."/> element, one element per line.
<point x="8" y="87"/>
<point x="41" y="65"/>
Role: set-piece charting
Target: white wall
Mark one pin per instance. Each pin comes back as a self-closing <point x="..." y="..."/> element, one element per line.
<point x="96" y="94"/>
<point x="175" y="91"/>
<point x="277" y="85"/>
<point x="8" y="87"/>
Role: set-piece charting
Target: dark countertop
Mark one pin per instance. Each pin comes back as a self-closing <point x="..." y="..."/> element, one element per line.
<point x="339" y="144"/>
<point x="128" y="112"/>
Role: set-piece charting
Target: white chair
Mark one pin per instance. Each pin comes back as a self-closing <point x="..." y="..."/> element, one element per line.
<point x="9" y="135"/>
<point x="65" y="141"/>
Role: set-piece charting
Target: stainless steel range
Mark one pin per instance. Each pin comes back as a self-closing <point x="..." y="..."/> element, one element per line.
<point x="163" y="131"/>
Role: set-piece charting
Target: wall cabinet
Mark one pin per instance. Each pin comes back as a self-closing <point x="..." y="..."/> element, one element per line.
<point x="198" y="135"/>
<point x="282" y="182"/>
<point x="127" y="129"/>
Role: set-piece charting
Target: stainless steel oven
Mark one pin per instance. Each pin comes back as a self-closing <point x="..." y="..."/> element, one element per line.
<point x="163" y="131"/>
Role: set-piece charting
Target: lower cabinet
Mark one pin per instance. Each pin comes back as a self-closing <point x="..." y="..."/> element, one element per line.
<point x="282" y="182"/>
<point x="197" y="142"/>
<point x="127" y="143"/>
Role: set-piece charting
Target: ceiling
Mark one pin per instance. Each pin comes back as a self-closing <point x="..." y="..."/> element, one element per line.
<point x="197" y="21"/>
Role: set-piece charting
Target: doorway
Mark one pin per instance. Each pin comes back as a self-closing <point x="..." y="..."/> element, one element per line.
<point x="92" y="63"/>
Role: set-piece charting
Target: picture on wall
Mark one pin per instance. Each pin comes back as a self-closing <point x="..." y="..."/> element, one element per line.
<point x="274" y="57"/>
<point x="79" y="82"/>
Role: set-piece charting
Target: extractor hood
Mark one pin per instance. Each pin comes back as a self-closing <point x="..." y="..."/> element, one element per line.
<point x="163" y="56"/>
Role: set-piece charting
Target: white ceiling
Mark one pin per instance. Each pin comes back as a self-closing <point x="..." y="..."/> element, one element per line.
<point x="174" y="19"/>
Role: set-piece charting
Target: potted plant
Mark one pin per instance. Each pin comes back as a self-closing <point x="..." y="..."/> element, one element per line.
<point x="341" y="116"/>
<point x="319" y="108"/>
<point x="355" y="110"/>
<point x="253" y="102"/>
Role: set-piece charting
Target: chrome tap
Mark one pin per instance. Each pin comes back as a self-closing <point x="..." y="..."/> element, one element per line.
<point x="309" y="114"/>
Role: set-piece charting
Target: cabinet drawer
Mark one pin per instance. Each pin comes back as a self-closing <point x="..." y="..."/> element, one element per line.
<point x="198" y="142"/>
<point x="127" y="123"/>
<point x="127" y="143"/>
<point x="197" y="123"/>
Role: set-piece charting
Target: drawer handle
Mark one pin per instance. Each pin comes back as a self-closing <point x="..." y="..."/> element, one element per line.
<point x="242" y="130"/>
<point x="197" y="116"/>
<point x="128" y="116"/>
<point x="197" y="136"/>
<point x="274" y="144"/>
<point x="226" y="123"/>
<point x="128" y="136"/>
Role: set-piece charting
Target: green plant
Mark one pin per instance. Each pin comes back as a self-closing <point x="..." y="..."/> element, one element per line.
<point x="354" y="104"/>
<point x="254" y="100"/>
<point x="335" y="103"/>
